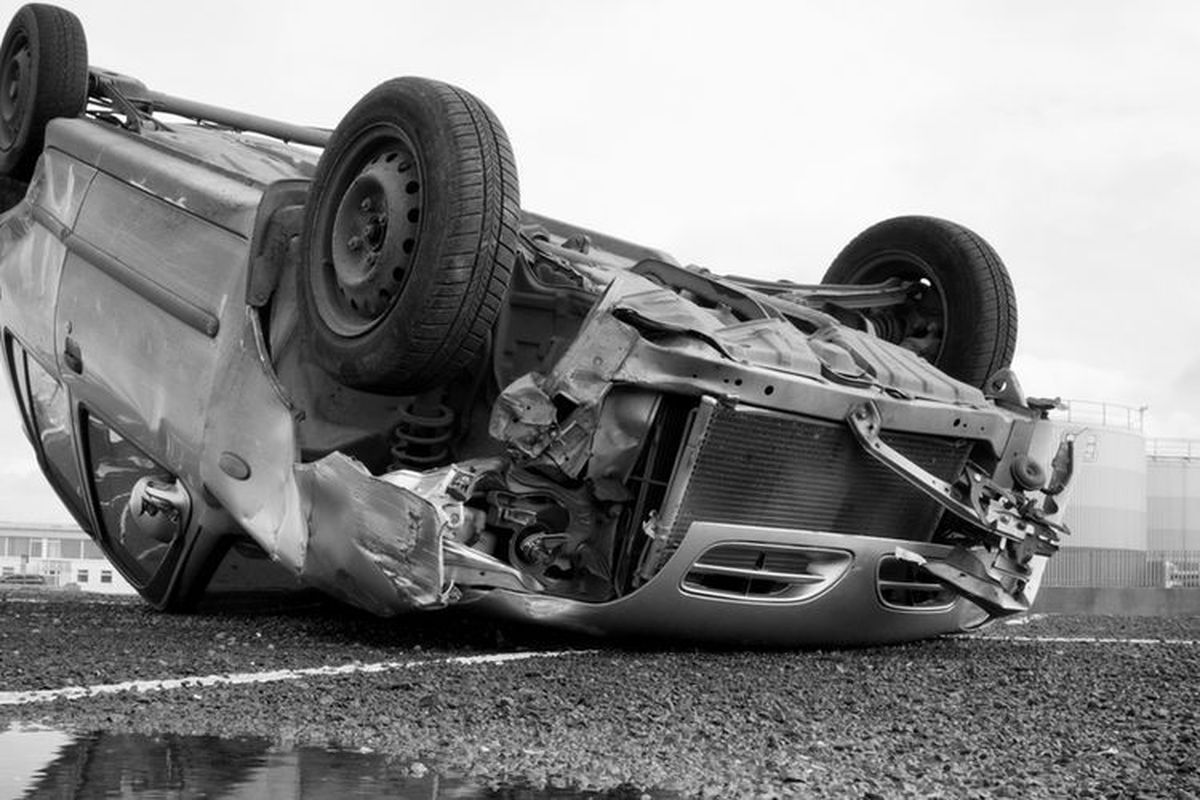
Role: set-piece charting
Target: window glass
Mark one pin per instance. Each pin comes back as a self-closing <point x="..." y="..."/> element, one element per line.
<point x="117" y="465"/>
<point x="35" y="549"/>
<point x="106" y="576"/>
<point x="17" y="359"/>
<point x="81" y="576"/>
<point x="91" y="550"/>
<point x="52" y="429"/>
<point x="19" y="545"/>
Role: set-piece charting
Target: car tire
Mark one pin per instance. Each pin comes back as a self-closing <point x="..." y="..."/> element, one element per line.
<point x="965" y="322"/>
<point x="43" y="75"/>
<point x="410" y="238"/>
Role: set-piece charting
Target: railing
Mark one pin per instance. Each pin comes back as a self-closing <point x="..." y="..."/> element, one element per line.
<point x="1098" y="567"/>
<point x="1173" y="448"/>
<point x="1109" y="415"/>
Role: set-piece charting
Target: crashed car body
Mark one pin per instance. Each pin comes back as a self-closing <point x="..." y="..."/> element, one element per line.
<point x="256" y="354"/>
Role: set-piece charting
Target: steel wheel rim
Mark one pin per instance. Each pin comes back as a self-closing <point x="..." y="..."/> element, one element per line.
<point x="15" y="90"/>
<point x="369" y="238"/>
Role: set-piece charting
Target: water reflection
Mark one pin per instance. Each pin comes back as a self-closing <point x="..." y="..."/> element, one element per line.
<point x="140" y="767"/>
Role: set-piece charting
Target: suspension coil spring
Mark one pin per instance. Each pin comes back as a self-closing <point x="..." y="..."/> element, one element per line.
<point x="888" y="326"/>
<point x="421" y="439"/>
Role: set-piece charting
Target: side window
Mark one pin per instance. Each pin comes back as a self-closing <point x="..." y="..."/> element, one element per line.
<point x="119" y="471"/>
<point x="49" y="415"/>
<point x="16" y="358"/>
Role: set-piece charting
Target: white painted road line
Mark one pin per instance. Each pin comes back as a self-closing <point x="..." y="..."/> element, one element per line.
<point x="1025" y="620"/>
<point x="275" y="676"/>
<point x="1086" y="640"/>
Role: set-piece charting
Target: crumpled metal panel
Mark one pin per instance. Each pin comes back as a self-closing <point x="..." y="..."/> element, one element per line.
<point x="370" y="543"/>
<point x="330" y="522"/>
<point x="642" y="334"/>
<point x="835" y="352"/>
<point x="893" y="367"/>
<point x="768" y="343"/>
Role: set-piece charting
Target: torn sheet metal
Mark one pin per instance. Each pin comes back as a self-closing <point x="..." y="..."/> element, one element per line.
<point x="978" y="575"/>
<point x="641" y="334"/>
<point x="371" y="543"/>
<point x="368" y="542"/>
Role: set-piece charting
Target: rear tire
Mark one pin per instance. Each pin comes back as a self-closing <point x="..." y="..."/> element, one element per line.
<point x="965" y="322"/>
<point x="410" y="238"/>
<point x="43" y="75"/>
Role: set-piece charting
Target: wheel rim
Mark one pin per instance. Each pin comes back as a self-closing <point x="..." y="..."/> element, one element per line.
<point x="919" y="324"/>
<point x="15" y="89"/>
<point x="369" y="238"/>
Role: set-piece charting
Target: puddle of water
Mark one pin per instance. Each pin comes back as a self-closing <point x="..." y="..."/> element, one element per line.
<point x="40" y="762"/>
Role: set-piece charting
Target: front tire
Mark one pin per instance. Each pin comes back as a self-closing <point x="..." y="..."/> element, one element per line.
<point x="410" y="238"/>
<point x="43" y="75"/>
<point x="963" y="316"/>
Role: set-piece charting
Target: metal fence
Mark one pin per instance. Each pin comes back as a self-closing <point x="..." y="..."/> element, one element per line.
<point x="1173" y="448"/>
<point x="1101" y="567"/>
<point x="1109" y="415"/>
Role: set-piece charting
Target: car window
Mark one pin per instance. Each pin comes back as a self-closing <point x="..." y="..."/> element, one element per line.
<point x="116" y="465"/>
<point x="50" y="421"/>
<point x="16" y="358"/>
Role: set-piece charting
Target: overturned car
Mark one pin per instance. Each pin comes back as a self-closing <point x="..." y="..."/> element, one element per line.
<point x="255" y="354"/>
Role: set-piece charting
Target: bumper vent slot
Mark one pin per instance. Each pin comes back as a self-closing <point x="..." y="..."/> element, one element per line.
<point x="765" y="572"/>
<point x="908" y="586"/>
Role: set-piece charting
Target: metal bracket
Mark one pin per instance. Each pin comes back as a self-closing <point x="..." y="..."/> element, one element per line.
<point x="999" y="511"/>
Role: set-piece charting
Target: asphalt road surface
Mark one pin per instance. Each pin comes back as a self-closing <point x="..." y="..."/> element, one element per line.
<point x="1053" y="707"/>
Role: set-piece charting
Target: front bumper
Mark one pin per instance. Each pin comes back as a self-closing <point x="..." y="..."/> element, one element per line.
<point x="847" y="609"/>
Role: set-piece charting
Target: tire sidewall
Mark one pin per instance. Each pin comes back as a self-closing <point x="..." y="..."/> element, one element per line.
<point x="939" y="251"/>
<point x="24" y="22"/>
<point x="58" y="80"/>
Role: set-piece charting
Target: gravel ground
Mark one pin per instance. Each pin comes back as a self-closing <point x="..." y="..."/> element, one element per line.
<point x="969" y="716"/>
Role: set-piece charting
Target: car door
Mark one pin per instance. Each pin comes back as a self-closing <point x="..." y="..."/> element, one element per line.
<point x="145" y="281"/>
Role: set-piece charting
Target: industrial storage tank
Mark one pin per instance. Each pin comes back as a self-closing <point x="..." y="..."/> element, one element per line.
<point x="1173" y="494"/>
<point x="1107" y="507"/>
<point x="1106" y="510"/>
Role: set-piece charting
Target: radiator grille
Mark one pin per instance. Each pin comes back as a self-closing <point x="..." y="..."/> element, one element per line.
<point x="770" y="469"/>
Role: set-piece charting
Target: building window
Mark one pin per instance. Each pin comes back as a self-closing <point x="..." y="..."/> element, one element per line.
<point x="106" y="576"/>
<point x="81" y="576"/>
<point x="9" y="571"/>
<point x="90" y="550"/>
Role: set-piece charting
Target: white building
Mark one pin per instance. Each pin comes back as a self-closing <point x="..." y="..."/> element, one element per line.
<point x="61" y="555"/>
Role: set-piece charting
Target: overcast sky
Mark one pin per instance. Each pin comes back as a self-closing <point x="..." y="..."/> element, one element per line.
<point x="759" y="138"/>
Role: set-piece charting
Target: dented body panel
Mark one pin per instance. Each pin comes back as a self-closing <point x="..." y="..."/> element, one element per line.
<point x="648" y="449"/>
